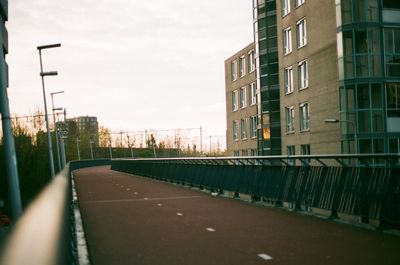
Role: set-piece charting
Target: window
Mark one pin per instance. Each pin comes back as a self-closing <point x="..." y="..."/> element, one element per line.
<point x="299" y="2"/>
<point x="251" y="62"/>
<point x="253" y="95"/>
<point x="253" y="126"/>
<point x="236" y="153"/>
<point x="303" y="74"/>
<point x="287" y="41"/>
<point x="304" y="117"/>
<point x="305" y="150"/>
<point x="254" y="152"/>
<point x="235" y="130"/>
<point x="245" y="152"/>
<point x="288" y="80"/>
<point x="393" y="99"/>
<point x="285" y="7"/>
<point x="235" y="100"/>
<point x="242" y="96"/>
<point x="243" y="128"/>
<point x="234" y="70"/>
<point x="291" y="151"/>
<point x="242" y="66"/>
<point x="289" y="119"/>
<point x="392" y="52"/>
<point x="301" y="33"/>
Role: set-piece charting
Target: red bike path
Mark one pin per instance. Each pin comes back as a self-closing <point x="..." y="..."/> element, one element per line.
<point x="135" y="220"/>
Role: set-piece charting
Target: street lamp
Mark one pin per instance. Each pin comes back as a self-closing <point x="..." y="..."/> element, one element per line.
<point x="77" y="148"/>
<point x="90" y="143"/>
<point x="43" y="74"/>
<point x="354" y="127"/>
<point x="56" y="127"/>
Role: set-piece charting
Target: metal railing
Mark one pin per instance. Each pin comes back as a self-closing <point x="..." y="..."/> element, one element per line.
<point x="342" y="184"/>
<point x="45" y="234"/>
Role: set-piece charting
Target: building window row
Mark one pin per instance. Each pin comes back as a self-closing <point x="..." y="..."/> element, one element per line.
<point x="302" y="77"/>
<point x="243" y="66"/>
<point x="243" y="128"/>
<point x="301" y="36"/>
<point x="286" y="6"/>
<point x="245" y="152"/>
<point x="243" y="97"/>
<point x="304" y="118"/>
<point x="305" y="149"/>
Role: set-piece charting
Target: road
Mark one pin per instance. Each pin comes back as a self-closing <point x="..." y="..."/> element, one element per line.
<point x="134" y="220"/>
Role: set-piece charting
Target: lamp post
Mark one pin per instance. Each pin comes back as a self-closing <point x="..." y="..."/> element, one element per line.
<point x="56" y="127"/>
<point x="110" y="149"/>
<point x="354" y="127"/>
<point x="77" y="148"/>
<point x="43" y="74"/>
<point x="90" y="143"/>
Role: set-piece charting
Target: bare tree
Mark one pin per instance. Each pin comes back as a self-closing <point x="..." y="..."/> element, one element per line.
<point x="104" y="136"/>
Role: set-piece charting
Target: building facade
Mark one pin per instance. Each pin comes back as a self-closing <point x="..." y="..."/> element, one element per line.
<point x="241" y="103"/>
<point x="328" y="74"/>
<point x="83" y="127"/>
<point x="308" y="76"/>
<point x="368" y="41"/>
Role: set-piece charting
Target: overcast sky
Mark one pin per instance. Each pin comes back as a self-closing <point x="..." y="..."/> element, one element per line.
<point x="153" y="64"/>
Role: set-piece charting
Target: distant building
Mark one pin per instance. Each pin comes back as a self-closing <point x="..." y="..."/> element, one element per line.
<point x="83" y="126"/>
<point x="241" y="103"/>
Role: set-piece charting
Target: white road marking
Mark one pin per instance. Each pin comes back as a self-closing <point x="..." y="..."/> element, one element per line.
<point x="159" y="204"/>
<point x="128" y="189"/>
<point x="264" y="256"/>
<point x="209" y="229"/>
<point x="145" y="198"/>
<point x="179" y="214"/>
<point x="138" y="200"/>
<point x="136" y="193"/>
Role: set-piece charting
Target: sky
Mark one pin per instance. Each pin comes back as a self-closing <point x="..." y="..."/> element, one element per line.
<point x="154" y="64"/>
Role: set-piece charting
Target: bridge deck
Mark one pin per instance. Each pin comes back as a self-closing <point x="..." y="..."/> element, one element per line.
<point x="134" y="220"/>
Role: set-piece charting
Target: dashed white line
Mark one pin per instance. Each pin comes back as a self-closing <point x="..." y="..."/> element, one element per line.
<point x="138" y="200"/>
<point x="145" y="198"/>
<point x="128" y="189"/>
<point x="136" y="193"/>
<point x="209" y="229"/>
<point x="179" y="214"/>
<point x="264" y="256"/>
<point x="159" y="204"/>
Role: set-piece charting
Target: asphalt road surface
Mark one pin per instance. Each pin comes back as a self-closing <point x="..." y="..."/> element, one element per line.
<point x="135" y="220"/>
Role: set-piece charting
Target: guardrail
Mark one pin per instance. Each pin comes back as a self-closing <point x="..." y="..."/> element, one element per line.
<point x="45" y="234"/>
<point x="325" y="182"/>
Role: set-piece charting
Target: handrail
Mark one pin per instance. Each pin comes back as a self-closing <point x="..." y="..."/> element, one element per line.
<point x="36" y="238"/>
<point x="391" y="159"/>
<point x="365" y="186"/>
<point x="45" y="234"/>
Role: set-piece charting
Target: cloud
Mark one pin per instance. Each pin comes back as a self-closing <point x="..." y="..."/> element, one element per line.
<point x="145" y="63"/>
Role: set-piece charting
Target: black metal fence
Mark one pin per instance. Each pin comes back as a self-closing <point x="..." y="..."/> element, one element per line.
<point x="320" y="182"/>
